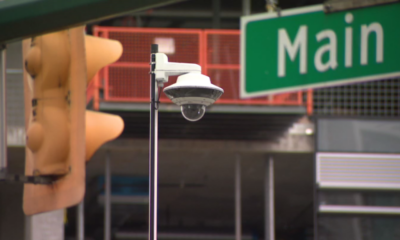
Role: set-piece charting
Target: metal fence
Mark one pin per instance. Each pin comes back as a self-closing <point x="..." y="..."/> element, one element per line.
<point x="377" y="98"/>
<point x="217" y="51"/>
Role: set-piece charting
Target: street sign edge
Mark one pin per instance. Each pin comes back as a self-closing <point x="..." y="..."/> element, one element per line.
<point x="284" y="13"/>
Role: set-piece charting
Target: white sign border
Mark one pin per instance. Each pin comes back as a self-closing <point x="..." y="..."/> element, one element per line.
<point x="316" y="8"/>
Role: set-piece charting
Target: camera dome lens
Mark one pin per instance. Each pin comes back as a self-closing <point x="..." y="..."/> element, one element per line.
<point x="193" y="112"/>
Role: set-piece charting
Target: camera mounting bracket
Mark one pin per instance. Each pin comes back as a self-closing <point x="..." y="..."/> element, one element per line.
<point x="164" y="69"/>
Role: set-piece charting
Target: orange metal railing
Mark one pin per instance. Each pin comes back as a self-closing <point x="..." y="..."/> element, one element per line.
<point x="217" y="51"/>
<point x="222" y="64"/>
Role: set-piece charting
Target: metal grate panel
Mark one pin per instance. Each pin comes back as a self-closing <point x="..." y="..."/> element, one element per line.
<point x="223" y="66"/>
<point x="358" y="171"/>
<point x="136" y="86"/>
<point x="128" y="78"/>
<point x="217" y="51"/>
<point x="377" y="98"/>
<point x="137" y="44"/>
<point x="223" y="47"/>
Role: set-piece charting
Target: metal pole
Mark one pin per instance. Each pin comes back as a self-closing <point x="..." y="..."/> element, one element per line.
<point x="269" y="200"/>
<point x="216" y="14"/>
<point x="216" y="37"/>
<point x="80" y="212"/>
<point x="238" y="211"/>
<point x="153" y="154"/>
<point x="107" y="202"/>
<point x="3" y="112"/>
<point x="246" y="5"/>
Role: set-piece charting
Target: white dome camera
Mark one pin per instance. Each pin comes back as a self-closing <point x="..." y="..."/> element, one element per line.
<point x="193" y="92"/>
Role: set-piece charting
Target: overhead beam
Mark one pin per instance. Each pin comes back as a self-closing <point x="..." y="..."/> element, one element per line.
<point x="187" y="14"/>
<point x="287" y="143"/>
<point x="216" y="108"/>
<point x="26" y="18"/>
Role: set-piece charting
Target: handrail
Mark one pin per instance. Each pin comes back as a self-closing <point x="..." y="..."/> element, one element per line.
<point x="217" y="51"/>
<point x="341" y="209"/>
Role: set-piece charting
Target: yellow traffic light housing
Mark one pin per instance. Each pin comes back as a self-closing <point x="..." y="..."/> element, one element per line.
<point x="48" y="135"/>
<point x="100" y="127"/>
<point x="61" y="135"/>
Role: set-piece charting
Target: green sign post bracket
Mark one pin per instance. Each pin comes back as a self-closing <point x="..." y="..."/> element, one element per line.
<point x="25" y="18"/>
<point x="306" y="48"/>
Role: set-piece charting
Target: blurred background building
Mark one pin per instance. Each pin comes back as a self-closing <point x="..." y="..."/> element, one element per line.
<point x="201" y="162"/>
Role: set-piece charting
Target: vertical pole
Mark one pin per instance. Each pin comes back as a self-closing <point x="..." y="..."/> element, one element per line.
<point x="46" y="226"/>
<point x="310" y="102"/>
<point x="107" y="202"/>
<point x="80" y="233"/>
<point x="216" y="14"/>
<point x="238" y="210"/>
<point x="357" y="224"/>
<point x="153" y="155"/>
<point x="216" y="38"/>
<point x="246" y="6"/>
<point x="269" y="201"/>
<point x="139" y="22"/>
<point x="3" y="108"/>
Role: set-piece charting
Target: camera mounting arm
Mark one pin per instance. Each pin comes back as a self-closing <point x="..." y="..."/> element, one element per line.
<point x="164" y="69"/>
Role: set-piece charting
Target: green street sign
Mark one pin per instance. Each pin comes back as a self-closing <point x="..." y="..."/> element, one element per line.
<point x="306" y="48"/>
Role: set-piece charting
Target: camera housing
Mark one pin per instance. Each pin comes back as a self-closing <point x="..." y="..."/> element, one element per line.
<point x="193" y="92"/>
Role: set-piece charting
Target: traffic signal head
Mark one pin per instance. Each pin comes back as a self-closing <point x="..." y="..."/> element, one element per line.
<point x="59" y="141"/>
<point x="48" y="63"/>
<point x="99" y="53"/>
<point x="100" y="127"/>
